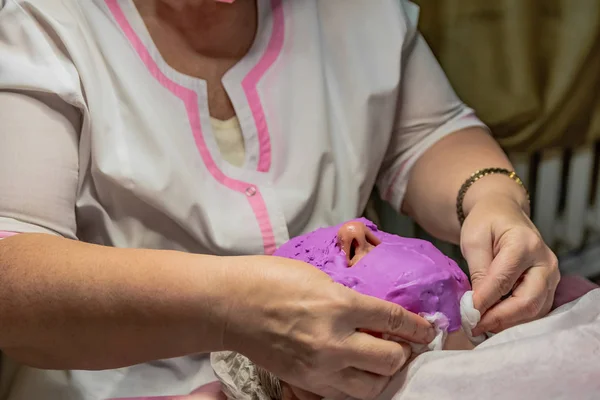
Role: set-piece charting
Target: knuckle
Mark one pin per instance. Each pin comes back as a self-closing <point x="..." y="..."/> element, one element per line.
<point x="497" y="324"/>
<point x="523" y="241"/>
<point x="553" y="261"/>
<point x="396" y="319"/>
<point x="554" y="281"/>
<point x="493" y="322"/>
<point x="554" y="277"/>
<point x="504" y="283"/>
<point x="478" y="275"/>
<point x="393" y="361"/>
<point x="547" y="306"/>
<point x="343" y="300"/>
<point x="389" y="362"/>
<point x="470" y="239"/>
<point x="532" y="242"/>
<point x="532" y="307"/>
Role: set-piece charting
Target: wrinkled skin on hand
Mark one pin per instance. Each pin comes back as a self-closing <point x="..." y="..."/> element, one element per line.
<point x="513" y="272"/>
<point x="314" y="326"/>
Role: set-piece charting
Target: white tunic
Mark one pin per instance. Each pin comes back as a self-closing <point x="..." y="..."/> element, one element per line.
<point x="334" y="98"/>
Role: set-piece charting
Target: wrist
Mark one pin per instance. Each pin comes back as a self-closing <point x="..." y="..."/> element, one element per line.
<point x="217" y="296"/>
<point x="493" y="187"/>
<point x="238" y="302"/>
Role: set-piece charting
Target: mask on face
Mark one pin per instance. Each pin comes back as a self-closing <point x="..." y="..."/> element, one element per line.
<point x="409" y="272"/>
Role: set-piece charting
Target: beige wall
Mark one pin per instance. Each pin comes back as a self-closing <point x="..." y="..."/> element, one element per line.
<point x="531" y="68"/>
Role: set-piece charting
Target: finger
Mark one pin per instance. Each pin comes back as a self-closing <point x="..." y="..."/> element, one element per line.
<point x="382" y="316"/>
<point x="525" y="304"/>
<point x="548" y="305"/>
<point x="477" y="248"/>
<point x="359" y="384"/>
<point x="500" y="278"/>
<point x="378" y="356"/>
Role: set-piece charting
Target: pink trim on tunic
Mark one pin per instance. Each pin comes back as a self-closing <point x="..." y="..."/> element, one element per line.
<point x="190" y="100"/>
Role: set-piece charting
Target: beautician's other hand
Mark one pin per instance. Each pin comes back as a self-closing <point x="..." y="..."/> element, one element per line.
<point x="508" y="260"/>
<point x="293" y="320"/>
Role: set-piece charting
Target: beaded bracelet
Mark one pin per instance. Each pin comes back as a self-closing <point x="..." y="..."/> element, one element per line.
<point x="477" y="175"/>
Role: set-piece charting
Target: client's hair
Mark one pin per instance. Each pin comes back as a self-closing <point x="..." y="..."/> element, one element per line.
<point x="241" y="379"/>
<point x="270" y="383"/>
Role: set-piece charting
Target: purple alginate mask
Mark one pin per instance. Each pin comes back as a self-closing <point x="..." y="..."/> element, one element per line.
<point x="412" y="273"/>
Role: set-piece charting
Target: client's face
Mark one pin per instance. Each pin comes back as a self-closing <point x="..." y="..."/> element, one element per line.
<point x="409" y="272"/>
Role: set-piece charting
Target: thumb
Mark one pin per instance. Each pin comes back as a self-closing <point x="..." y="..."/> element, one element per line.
<point x="381" y="316"/>
<point x="478" y="253"/>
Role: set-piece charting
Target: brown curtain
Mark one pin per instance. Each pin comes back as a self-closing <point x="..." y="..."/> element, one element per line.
<point x="531" y="68"/>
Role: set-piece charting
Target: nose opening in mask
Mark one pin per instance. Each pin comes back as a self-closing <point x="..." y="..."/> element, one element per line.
<point x="356" y="241"/>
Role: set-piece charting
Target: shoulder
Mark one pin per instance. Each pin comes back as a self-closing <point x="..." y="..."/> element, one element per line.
<point x="42" y="10"/>
<point x="62" y="20"/>
<point x="373" y="16"/>
<point x="366" y="41"/>
<point x="39" y="40"/>
<point x="376" y="32"/>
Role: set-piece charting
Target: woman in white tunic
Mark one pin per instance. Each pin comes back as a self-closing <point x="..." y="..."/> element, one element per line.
<point x="153" y="153"/>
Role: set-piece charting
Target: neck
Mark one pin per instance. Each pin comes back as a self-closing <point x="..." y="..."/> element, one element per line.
<point x="208" y="27"/>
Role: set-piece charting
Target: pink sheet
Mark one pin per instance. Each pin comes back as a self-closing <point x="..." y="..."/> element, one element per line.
<point x="572" y="287"/>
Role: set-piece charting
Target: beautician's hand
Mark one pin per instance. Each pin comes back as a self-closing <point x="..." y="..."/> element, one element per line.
<point x="293" y="320"/>
<point x="507" y="257"/>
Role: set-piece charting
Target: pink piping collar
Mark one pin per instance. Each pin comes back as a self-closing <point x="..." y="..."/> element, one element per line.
<point x="190" y="99"/>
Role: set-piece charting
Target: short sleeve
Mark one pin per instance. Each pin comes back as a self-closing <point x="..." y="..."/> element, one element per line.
<point x="41" y="112"/>
<point x="428" y="110"/>
<point x="33" y="57"/>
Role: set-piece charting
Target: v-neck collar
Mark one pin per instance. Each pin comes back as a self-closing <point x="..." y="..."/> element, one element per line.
<point x="239" y="70"/>
<point x="241" y="82"/>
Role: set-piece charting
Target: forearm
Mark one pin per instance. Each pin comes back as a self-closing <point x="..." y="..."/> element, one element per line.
<point x="71" y="305"/>
<point x="438" y="175"/>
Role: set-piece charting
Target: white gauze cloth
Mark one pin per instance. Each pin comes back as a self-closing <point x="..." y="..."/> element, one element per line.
<point x="440" y="323"/>
<point x="469" y="316"/>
